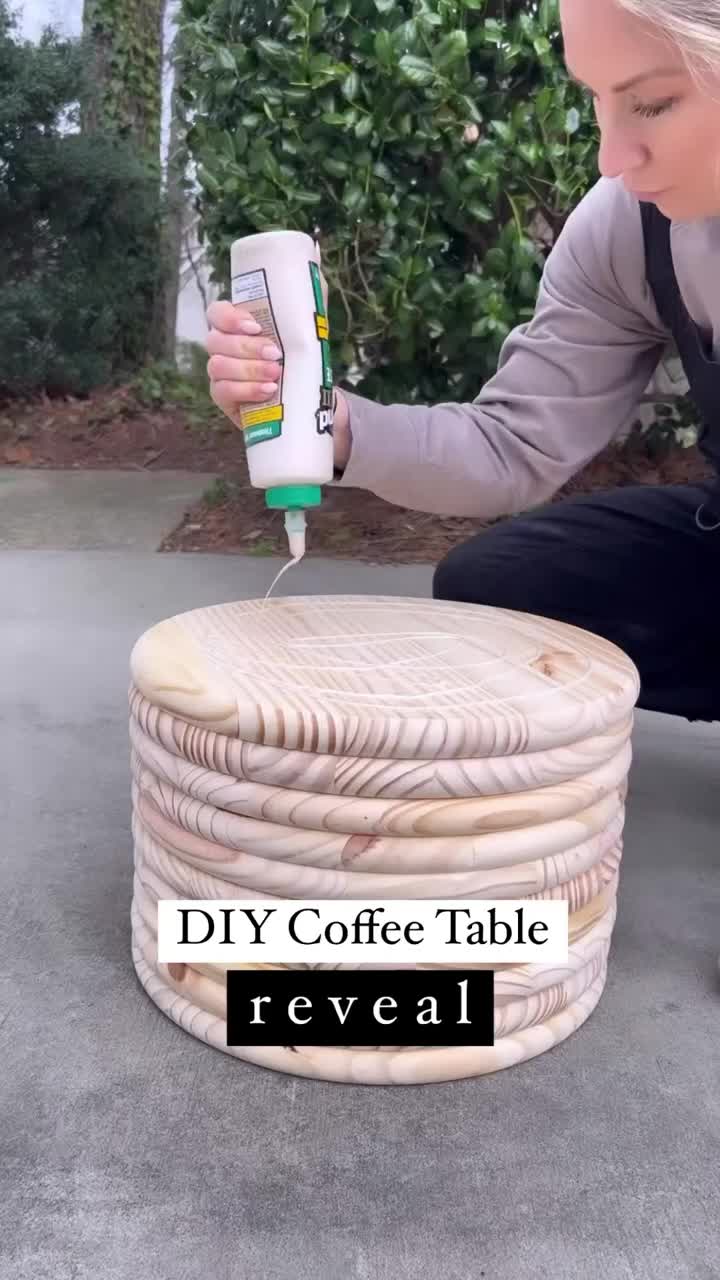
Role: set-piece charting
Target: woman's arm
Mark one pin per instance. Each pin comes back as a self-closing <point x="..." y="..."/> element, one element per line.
<point x="566" y="385"/>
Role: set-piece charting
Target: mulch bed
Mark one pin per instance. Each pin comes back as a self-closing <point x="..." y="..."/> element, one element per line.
<point x="111" y="429"/>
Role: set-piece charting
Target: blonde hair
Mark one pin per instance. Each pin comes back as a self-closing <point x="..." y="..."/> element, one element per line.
<point x="693" y="25"/>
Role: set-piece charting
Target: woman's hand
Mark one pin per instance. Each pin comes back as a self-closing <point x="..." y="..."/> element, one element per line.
<point x="244" y="369"/>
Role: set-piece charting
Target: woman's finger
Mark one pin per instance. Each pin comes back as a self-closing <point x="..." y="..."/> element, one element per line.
<point x="240" y="347"/>
<point x="224" y="368"/>
<point x="228" y="395"/>
<point x="231" y="319"/>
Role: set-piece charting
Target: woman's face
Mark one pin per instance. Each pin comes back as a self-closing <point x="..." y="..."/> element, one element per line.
<point x="660" y="126"/>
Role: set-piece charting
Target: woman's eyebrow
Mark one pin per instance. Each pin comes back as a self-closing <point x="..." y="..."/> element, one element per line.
<point x="654" y="74"/>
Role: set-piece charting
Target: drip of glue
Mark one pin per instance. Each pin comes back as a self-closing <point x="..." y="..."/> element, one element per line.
<point x="295" y="525"/>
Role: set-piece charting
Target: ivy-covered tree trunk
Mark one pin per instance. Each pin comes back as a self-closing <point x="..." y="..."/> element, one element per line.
<point x="124" y="91"/>
<point x="122" y="98"/>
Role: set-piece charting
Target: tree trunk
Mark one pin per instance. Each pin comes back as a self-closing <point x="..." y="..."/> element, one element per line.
<point x="125" y="56"/>
<point x="122" y="98"/>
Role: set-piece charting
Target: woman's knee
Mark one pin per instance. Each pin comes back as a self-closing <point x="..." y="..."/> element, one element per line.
<point x="470" y="574"/>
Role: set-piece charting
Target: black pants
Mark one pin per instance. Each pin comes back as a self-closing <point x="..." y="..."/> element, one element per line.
<point x="631" y="565"/>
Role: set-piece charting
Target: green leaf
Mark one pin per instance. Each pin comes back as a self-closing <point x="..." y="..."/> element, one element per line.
<point x="417" y="70"/>
<point x="406" y="36"/>
<point x="548" y="14"/>
<point x="271" y="168"/>
<point x="381" y="171"/>
<point x="473" y="112"/>
<point x="530" y="152"/>
<point x="226" y="86"/>
<point x="364" y="127"/>
<point x="226" y="60"/>
<point x="210" y="183"/>
<point x="480" y="211"/>
<point x="384" y="51"/>
<point x="544" y="102"/>
<point x="384" y="6"/>
<point x="353" y="199"/>
<point x="451" y="50"/>
<point x="502" y="129"/>
<point x="495" y="262"/>
<point x="272" y="49"/>
<point x="305" y="197"/>
<point x="338" y="168"/>
<point x="351" y="86"/>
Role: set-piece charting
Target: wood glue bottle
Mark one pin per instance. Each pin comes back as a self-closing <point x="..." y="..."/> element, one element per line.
<point x="288" y="437"/>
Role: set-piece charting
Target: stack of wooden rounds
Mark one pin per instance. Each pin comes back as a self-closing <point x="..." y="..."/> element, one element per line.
<point x="379" y="748"/>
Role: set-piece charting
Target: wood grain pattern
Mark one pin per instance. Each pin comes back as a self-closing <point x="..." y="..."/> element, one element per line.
<point x="367" y="1066"/>
<point x="354" y="816"/>
<point x="575" y="877"/>
<point x="228" y="837"/>
<point x="389" y="678"/>
<point x="337" y="775"/>
<point x="283" y="879"/>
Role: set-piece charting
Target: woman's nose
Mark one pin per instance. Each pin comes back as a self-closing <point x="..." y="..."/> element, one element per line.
<point x="619" y="154"/>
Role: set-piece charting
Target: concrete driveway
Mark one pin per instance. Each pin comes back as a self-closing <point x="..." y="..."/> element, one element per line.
<point x="103" y="510"/>
<point x="130" y="1150"/>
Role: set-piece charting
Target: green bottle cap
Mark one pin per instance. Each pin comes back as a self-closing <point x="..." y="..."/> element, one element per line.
<point x="294" y="497"/>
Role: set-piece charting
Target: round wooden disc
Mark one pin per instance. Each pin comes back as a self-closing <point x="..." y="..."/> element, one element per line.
<point x="281" y="878"/>
<point x="573" y="874"/>
<point x="337" y="775"/>
<point x="384" y="677"/>
<point x="359" y="816"/>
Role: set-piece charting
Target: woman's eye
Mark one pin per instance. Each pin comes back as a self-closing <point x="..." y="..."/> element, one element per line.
<point x="650" y="110"/>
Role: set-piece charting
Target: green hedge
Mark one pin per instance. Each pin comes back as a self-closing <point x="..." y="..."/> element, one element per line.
<point x="437" y="147"/>
<point x="78" y="225"/>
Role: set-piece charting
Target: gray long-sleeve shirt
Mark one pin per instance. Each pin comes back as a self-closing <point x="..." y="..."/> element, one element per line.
<point x="567" y="383"/>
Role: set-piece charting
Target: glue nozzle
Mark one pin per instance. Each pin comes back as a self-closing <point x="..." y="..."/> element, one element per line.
<point x="294" y="499"/>
<point x="295" y="525"/>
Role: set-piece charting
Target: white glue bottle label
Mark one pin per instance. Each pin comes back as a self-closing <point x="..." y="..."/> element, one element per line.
<point x="288" y="437"/>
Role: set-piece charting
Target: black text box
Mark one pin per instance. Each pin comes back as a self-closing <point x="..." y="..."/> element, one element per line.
<point x="403" y="1007"/>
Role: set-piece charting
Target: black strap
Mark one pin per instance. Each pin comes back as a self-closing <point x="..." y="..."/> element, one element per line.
<point x="701" y="369"/>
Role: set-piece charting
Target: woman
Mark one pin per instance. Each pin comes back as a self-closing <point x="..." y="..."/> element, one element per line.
<point x="638" y="263"/>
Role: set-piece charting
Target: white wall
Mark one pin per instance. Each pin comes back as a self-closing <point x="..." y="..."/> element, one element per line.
<point x="191" y="323"/>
